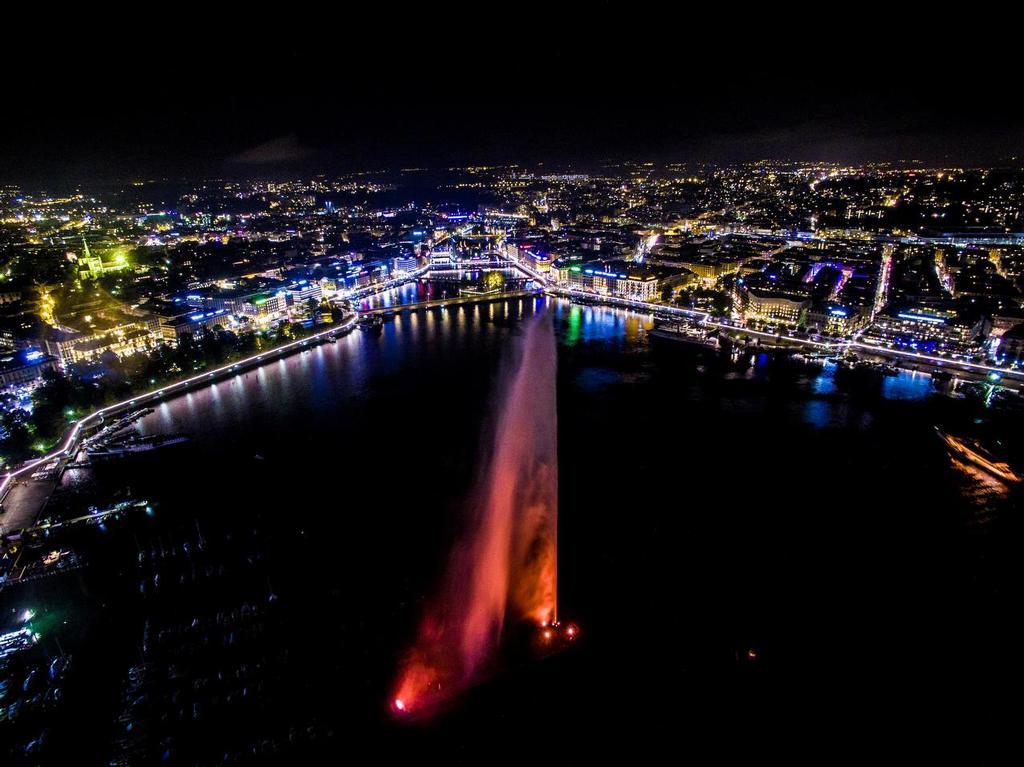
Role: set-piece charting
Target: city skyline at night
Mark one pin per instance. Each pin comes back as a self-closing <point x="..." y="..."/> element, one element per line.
<point x="501" y="384"/>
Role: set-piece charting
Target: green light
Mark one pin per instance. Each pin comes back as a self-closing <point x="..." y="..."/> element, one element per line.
<point x="575" y="317"/>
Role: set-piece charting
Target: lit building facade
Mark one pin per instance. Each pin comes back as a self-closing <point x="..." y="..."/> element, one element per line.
<point x="774" y="306"/>
<point x="126" y="338"/>
<point x="193" y="324"/>
<point x="617" y="278"/>
<point x="405" y="264"/>
<point x="834" y="319"/>
<point x="24" y="366"/>
<point x="927" y="329"/>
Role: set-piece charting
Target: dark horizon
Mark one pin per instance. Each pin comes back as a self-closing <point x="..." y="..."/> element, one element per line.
<point x="564" y="87"/>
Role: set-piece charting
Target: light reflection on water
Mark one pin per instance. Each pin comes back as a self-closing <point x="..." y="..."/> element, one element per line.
<point x="829" y="406"/>
<point x="582" y="323"/>
<point x="593" y="378"/>
<point x="818" y="413"/>
<point x="825" y="381"/>
<point x="984" y="493"/>
<point x="577" y="324"/>
<point x="791" y="451"/>
<point x="908" y="385"/>
<point x="300" y="386"/>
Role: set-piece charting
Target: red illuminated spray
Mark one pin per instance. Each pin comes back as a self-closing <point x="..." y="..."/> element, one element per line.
<point x="505" y="568"/>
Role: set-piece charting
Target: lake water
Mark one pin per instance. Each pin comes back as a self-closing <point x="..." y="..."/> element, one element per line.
<point x="752" y="548"/>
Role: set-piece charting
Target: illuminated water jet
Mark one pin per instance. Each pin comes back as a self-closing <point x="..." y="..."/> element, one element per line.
<point x="504" y="570"/>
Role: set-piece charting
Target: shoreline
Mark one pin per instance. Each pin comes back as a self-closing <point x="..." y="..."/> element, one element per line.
<point x="703" y="319"/>
<point x="837" y="346"/>
<point x="862" y="354"/>
<point x="908" y="361"/>
<point x="69" y="440"/>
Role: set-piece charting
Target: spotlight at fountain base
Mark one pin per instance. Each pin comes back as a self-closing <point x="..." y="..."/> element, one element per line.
<point x="554" y="636"/>
<point x="417" y="708"/>
<point x="423" y="697"/>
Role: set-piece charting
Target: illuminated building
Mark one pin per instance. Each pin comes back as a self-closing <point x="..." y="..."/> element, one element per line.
<point x="834" y="319"/>
<point x="613" y="278"/>
<point x="9" y="297"/>
<point x="124" y="337"/>
<point x="365" y="273"/>
<point x="1006" y="321"/>
<point x="929" y="329"/>
<point x="539" y="262"/>
<point x="1009" y="346"/>
<point x="265" y="307"/>
<point x="265" y="304"/>
<point x="717" y="258"/>
<point x="444" y="258"/>
<point x="405" y="264"/>
<point x="531" y="254"/>
<point x="767" y="305"/>
<point x="193" y="324"/>
<point x="564" y="267"/>
<point x="91" y="267"/>
<point x="24" y="366"/>
<point x="710" y="270"/>
<point x="303" y="291"/>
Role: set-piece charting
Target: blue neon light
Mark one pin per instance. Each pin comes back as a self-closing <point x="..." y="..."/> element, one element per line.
<point x="922" y="318"/>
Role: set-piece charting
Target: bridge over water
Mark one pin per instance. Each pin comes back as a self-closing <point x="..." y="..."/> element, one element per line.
<point x="473" y="298"/>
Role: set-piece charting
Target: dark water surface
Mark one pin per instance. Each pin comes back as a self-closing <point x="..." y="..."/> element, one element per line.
<point x="760" y="554"/>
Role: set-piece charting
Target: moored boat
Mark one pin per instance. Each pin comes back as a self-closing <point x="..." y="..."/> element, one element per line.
<point x="970" y="450"/>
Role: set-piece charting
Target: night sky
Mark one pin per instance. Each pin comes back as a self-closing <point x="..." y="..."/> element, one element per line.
<point x="194" y="94"/>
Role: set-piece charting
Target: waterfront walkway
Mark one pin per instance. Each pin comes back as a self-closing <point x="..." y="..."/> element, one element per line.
<point x="20" y="509"/>
<point x="22" y="498"/>
<point x="23" y="504"/>
<point x="904" y="359"/>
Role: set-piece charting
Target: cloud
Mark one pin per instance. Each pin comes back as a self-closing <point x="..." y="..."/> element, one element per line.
<point x="279" y="150"/>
